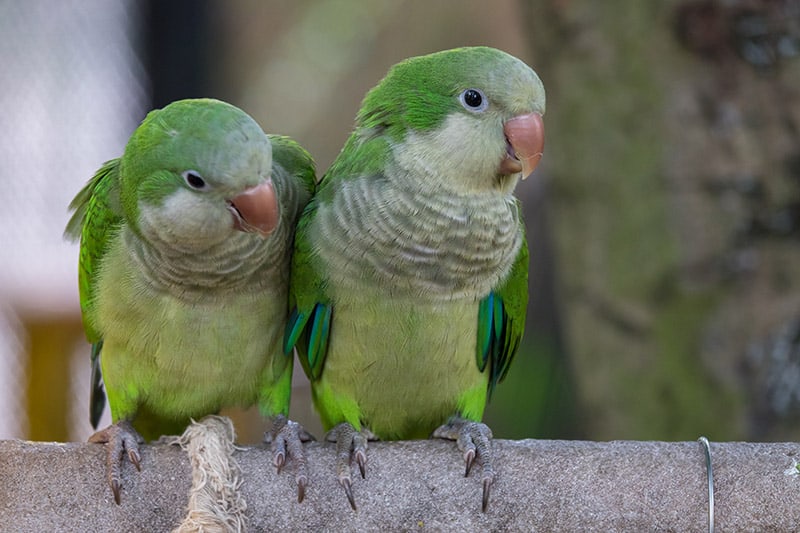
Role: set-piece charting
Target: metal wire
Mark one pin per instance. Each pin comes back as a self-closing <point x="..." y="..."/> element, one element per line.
<point x="710" y="476"/>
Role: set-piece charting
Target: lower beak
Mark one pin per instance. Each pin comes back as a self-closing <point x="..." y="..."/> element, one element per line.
<point x="256" y="209"/>
<point x="525" y="137"/>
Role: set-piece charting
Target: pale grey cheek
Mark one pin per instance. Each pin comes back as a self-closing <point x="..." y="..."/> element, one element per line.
<point x="186" y="230"/>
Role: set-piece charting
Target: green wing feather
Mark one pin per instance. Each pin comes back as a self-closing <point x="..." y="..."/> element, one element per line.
<point x="97" y="215"/>
<point x="290" y="155"/>
<point x="501" y="320"/>
<point x="308" y="327"/>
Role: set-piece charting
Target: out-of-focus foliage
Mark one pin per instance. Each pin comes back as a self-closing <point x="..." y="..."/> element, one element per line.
<point x="673" y="164"/>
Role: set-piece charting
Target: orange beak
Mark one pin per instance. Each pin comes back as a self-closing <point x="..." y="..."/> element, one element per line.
<point x="256" y="209"/>
<point x="525" y="136"/>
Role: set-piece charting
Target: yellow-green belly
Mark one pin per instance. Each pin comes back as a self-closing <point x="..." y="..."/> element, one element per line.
<point x="401" y="370"/>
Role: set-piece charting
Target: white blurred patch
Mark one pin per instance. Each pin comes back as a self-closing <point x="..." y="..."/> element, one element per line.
<point x="71" y="92"/>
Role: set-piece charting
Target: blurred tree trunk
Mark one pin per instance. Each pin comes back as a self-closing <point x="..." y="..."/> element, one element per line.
<point x="674" y="166"/>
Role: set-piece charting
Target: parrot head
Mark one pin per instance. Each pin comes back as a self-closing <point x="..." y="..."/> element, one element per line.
<point x="197" y="172"/>
<point x="468" y="118"/>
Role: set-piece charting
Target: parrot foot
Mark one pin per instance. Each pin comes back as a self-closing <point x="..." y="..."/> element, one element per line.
<point x="474" y="441"/>
<point x="351" y="445"/>
<point x="285" y="439"/>
<point x="120" y="440"/>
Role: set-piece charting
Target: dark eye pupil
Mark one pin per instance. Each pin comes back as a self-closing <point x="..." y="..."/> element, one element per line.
<point x="195" y="181"/>
<point x="473" y="98"/>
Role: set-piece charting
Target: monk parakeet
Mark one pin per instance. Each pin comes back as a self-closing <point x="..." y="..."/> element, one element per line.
<point x="409" y="276"/>
<point x="185" y="245"/>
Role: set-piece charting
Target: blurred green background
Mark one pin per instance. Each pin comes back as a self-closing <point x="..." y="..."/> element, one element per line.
<point x="664" y="222"/>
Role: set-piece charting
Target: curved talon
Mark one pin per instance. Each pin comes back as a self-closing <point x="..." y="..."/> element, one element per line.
<point x="279" y="461"/>
<point x="136" y="459"/>
<point x="279" y="455"/>
<point x="488" y="481"/>
<point x="360" y="452"/>
<point x="487" y="485"/>
<point x="348" y="490"/>
<point x="115" y="489"/>
<point x="301" y="481"/>
<point x="469" y="458"/>
<point x="361" y="460"/>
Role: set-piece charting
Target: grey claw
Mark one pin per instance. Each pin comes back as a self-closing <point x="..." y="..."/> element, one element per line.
<point x="301" y="489"/>
<point x="487" y="486"/>
<point x="279" y="460"/>
<point x="469" y="459"/>
<point x="136" y="459"/>
<point x="115" y="489"/>
<point x="348" y="490"/>
<point x="361" y="460"/>
<point x="360" y="452"/>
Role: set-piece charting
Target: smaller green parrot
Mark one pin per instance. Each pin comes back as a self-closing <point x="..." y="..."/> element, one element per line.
<point x="410" y="269"/>
<point x="185" y="245"/>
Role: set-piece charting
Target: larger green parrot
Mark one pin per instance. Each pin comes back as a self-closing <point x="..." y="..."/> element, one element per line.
<point x="185" y="245"/>
<point x="409" y="279"/>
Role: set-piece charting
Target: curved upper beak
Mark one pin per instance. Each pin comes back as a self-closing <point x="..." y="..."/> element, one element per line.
<point x="525" y="138"/>
<point x="256" y="209"/>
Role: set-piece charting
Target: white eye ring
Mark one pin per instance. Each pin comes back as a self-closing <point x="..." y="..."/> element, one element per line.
<point x="194" y="180"/>
<point x="473" y="100"/>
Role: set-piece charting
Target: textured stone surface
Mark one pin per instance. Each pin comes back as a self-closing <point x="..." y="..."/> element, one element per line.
<point x="541" y="486"/>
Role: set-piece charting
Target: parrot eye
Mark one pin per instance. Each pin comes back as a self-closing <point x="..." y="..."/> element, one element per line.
<point x="194" y="180"/>
<point x="473" y="100"/>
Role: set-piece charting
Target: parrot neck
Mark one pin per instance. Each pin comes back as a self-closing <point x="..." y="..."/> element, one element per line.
<point x="245" y="262"/>
<point x="437" y="247"/>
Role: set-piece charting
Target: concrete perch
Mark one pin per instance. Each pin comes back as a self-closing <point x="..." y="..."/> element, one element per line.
<point x="419" y="485"/>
